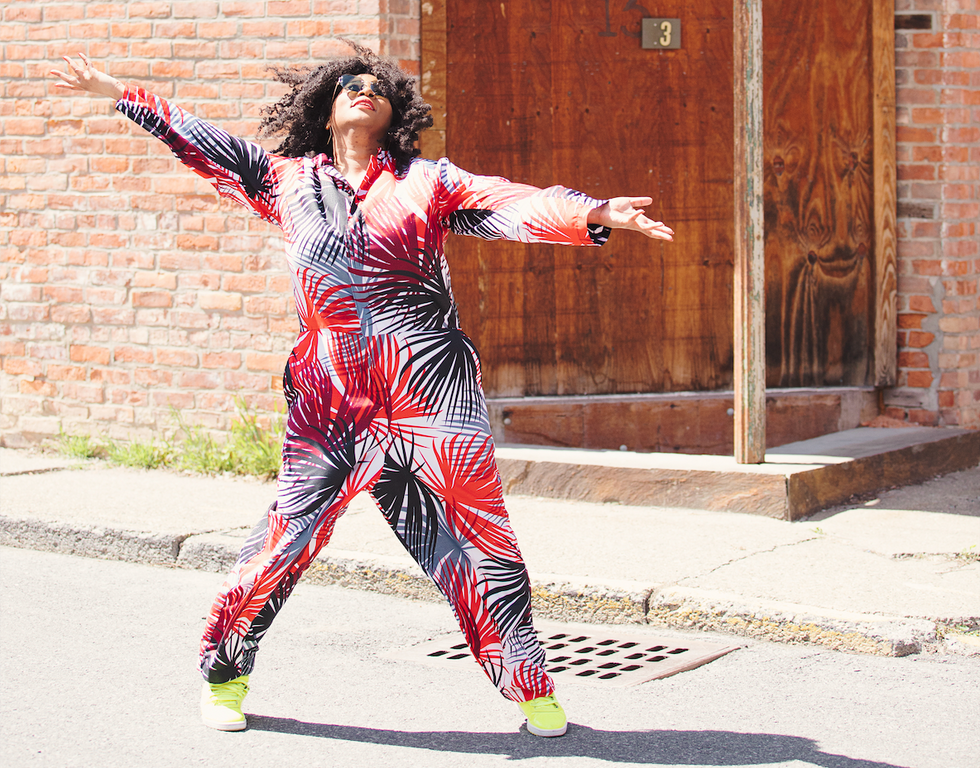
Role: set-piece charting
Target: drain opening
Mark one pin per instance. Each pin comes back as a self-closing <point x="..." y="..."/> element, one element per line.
<point x="598" y="660"/>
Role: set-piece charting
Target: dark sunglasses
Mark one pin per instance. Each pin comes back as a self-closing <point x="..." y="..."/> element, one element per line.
<point x="356" y="84"/>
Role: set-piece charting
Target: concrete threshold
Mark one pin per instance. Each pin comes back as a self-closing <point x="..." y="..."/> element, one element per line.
<point x="796" y="480"/>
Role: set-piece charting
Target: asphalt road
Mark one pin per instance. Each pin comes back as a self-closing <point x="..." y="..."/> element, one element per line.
<point x="98" y="668"/>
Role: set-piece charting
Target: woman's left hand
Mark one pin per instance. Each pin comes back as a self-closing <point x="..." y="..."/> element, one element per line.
<point x="627" y="213"/>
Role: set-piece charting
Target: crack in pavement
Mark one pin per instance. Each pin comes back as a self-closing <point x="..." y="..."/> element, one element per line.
<point x="745" y="557"/>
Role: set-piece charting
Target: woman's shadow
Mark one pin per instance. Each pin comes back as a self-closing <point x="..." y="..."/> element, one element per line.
<point x="704" y="748"/>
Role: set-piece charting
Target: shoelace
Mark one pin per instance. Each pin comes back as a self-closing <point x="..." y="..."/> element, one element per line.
<point x="229" y="694"/>
<point x="545" y="703"/>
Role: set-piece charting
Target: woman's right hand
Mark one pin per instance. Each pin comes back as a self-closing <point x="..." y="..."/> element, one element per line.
<point x="86" y="78"/>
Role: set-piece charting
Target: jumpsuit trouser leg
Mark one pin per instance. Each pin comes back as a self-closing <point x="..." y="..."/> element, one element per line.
<point x="403" y="416"/>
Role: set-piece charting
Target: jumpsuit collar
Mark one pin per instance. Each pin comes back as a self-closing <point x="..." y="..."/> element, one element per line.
<point x="383" y="161"/>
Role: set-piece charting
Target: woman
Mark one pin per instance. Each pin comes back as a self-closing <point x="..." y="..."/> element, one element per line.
<point x="383" y="388"/>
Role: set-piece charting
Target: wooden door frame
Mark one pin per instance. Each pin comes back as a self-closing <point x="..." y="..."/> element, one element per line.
<point x="433" y="144"/>
<point x="885" y="194"/>
<point x="434" y="66"/>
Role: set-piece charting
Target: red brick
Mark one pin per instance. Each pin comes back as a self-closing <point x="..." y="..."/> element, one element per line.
<point x="11" y="347"/>
<point x="918" y="339"/>
<point x="286" y="49"/>
<point x="71" y="314"/>
<point x="960" y="249"/>
<point x="220" y="301"/>
<point x="963" y="135"/>
<point x="926" y="418"/>
<point x="245" y="283"/>
<point x="928" y="267"/>
<point x="959" y="324"/>
<point x="183" y="9"/>
<point x="132" y="355"/>
<point x="151" y="377"/>
<point x="905" y="133"/>
<point x="238" y="380"/>
<point x="961" y="210"/>
<point x="176" y="357"/>
<point x="199" y="380"/>
<point x="263" y="30"/>
<point x="179" y="400"/>
<point x="920" y="379"/>
<point x="913" y="360"/>
<point x="921" y="304"/>
<point x="23" y="12"/>
<point x="37" y="388"/>
<point x="85" y="354"/>
<point x="154" y="10"/>
<point x="152" y="299"/>
<point x="139" y="29"/>
<point x="910" y="321"/>
<point x="255" y="361"/>
<point x="962" y="59"/>
<point x="223" y="360"/>
<point x="237" y="7"/>
<point x="288" y="7"/>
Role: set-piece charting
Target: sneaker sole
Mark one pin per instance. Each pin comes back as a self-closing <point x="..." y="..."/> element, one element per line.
<point x="218" y="726"/>
<point x="547" y="734"/>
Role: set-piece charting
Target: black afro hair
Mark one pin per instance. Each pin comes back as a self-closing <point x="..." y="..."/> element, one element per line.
<point x="303" y="113"/>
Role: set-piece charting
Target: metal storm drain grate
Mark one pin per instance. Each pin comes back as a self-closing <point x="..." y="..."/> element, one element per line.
<point x="588" y="657"/>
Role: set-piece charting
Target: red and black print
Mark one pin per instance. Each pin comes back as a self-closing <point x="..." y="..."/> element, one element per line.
<point x="383" y="388"/>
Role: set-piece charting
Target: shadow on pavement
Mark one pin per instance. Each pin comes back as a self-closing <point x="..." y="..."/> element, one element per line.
<point x="957" y="493"/>
<point x="706" y="748"/>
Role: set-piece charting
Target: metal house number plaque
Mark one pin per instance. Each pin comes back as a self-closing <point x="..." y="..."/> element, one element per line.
<point x="661" y="34"/>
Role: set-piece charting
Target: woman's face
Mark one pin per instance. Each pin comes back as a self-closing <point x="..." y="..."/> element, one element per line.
<point x="360" y="106"/>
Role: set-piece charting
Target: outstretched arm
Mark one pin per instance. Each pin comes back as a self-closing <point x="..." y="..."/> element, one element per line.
<point x="238" y="169"/>
<point x="626" y="213"/>
<point x="492" y="208"/>
<point x="87" y="79"/>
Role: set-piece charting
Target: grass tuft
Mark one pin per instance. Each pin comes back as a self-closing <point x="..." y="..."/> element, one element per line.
<point x="151" y="455"/>
<point x="250" y="448"/>
<point x="79" y="446"/>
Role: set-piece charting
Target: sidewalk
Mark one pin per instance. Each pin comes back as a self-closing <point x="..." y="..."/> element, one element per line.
<point x="894" y="575"/>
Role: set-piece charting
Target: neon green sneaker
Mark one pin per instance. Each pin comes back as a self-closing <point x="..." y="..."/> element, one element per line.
<point x="545" y="717"/>
<point x="221" y="704"/>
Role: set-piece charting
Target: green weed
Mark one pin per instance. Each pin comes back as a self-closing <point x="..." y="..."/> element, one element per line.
<point x="151" y="455"/>
<point x="79" y="446"/>
<point x="249" y="449"/>
<point x="969" y="555"/>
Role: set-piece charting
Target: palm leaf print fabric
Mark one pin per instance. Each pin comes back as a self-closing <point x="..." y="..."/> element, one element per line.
<point x="383" y="388"/>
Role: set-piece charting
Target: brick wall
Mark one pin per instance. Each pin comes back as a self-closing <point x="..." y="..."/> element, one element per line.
<point x="938" y="98"/>
<point x="128" y="289"/>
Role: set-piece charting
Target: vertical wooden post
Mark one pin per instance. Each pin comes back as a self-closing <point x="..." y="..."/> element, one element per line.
<point x="750" y="320"/>
<point x="432" y="142"/>
<point x="883" y="132"/>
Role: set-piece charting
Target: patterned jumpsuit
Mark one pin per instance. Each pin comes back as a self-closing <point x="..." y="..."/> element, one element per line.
<point x="383" y="388"/>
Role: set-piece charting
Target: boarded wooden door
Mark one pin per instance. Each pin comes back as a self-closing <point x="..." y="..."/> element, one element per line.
<point x="560" y="91"/>
<point x="818" y="193"/>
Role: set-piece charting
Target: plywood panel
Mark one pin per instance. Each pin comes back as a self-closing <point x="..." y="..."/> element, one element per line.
<point x="818" y="193"/>
<point x="561" y="92"/>
<point x="499" y="122"/>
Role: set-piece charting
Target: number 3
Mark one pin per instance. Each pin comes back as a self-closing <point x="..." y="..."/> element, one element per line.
<point x="666" y="27"/>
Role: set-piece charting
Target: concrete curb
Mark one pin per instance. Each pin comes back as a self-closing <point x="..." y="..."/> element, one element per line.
<point x="90" y="541"/>
<point x="789" y="622"/>
<point x="554" y="597"/>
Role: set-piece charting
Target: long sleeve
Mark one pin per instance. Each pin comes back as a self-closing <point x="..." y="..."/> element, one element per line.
<point x="238" y="169"/>
<point x="494" y="208"/>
